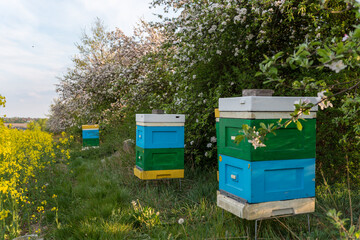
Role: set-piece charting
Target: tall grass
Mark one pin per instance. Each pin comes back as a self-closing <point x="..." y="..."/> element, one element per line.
<point x="96" y="200"/>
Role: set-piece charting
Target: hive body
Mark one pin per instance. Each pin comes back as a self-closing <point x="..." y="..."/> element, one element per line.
<point x="159" y="146"/>
<point x="264" y="181"/>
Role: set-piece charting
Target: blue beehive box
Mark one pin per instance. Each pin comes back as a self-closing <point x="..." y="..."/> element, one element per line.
<point x="264" y="181"/>
<point x="160" y="137"/>
<point x="90" y="133"/>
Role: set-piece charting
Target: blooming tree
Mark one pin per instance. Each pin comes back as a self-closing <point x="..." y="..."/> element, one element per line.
<point x="211" y="49"/>
<point x="105" y="77"/>
<point x="217" y="46"/>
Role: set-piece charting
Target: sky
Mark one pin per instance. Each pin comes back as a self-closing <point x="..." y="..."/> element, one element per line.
<point x="37" y="42"/>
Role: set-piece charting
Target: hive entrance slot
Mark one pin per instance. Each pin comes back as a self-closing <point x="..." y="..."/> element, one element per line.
<point x="284" y="211"/>
<point x="163" y="176"/>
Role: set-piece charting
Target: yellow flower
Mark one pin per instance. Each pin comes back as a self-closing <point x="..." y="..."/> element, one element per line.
<point x="40" y="209"/>
<point x="4" y="214"/>
<point x="23" y="155"/>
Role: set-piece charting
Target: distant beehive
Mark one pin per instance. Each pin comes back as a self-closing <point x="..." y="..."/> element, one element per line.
<point x="283" y="170"/>
<point x="159" y="146"/>
<point x="90" y="135"/>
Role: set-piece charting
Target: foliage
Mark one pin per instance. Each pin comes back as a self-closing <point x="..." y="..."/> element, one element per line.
<point x="40" y="124"/>
<point x="2" y="101"/>
<point x="104" y="78"/>
<point x="220" y="44"/>
<point x="351" y="233"/>
<point x="208" y="50"/>
<point x="329" y="68"/>
<point x="144" y="216"/>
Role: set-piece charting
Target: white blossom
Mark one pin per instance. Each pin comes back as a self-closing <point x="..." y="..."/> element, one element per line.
<point x="249" y="37"/>
<point x="336" y="66"/>
<point x="212" y="29"/>
<point x="323" y="100"/>
<point x="256" y="143"/>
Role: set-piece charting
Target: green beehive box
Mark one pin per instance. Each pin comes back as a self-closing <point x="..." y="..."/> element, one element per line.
<point x="289" y="143"/>
<point x="91" y="142"/>
<point x="159" y="158"/>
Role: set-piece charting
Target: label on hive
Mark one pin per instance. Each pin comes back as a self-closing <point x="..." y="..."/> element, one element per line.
<point x="217" y="113"/>
<point x="262" y="104"/>
<point x="288" y="143"/>
<point x="160" y="118"/>
<point x="159" y="158"/>
<point x="267" y="180"/>
<point x="159" y="137"/>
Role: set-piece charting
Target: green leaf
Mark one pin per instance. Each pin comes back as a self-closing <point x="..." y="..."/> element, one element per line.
<point x="263" y="125"/>
<point x="356" y="33"/>
<point x="258" y="74"/>
<point x="279" y="54"/>
<point x="270" y="80"/>
<point x="239" y="138"/>
<point x="245" y="127"/>
<point x="273" y="70"/>
<point x="323" y="53"/>
<point x="299" y="126"/>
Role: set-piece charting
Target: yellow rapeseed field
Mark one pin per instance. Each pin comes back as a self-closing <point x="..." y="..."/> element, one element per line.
<point x="23" y="155"/>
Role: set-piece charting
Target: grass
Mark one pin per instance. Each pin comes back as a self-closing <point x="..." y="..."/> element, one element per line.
<point x="95" y="193"/>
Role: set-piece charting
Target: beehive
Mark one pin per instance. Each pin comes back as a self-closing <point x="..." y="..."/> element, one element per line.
<point x="159" y="146"/>
<point x="90" y="135"/>
<point x="283" y="170"/>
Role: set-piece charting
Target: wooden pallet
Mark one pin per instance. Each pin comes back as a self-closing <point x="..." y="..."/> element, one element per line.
<point x="265" y="209"/>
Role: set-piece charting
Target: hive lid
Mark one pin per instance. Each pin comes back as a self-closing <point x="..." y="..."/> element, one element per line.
<point x="160" y="118"/>
<point x="262" y="104"/>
